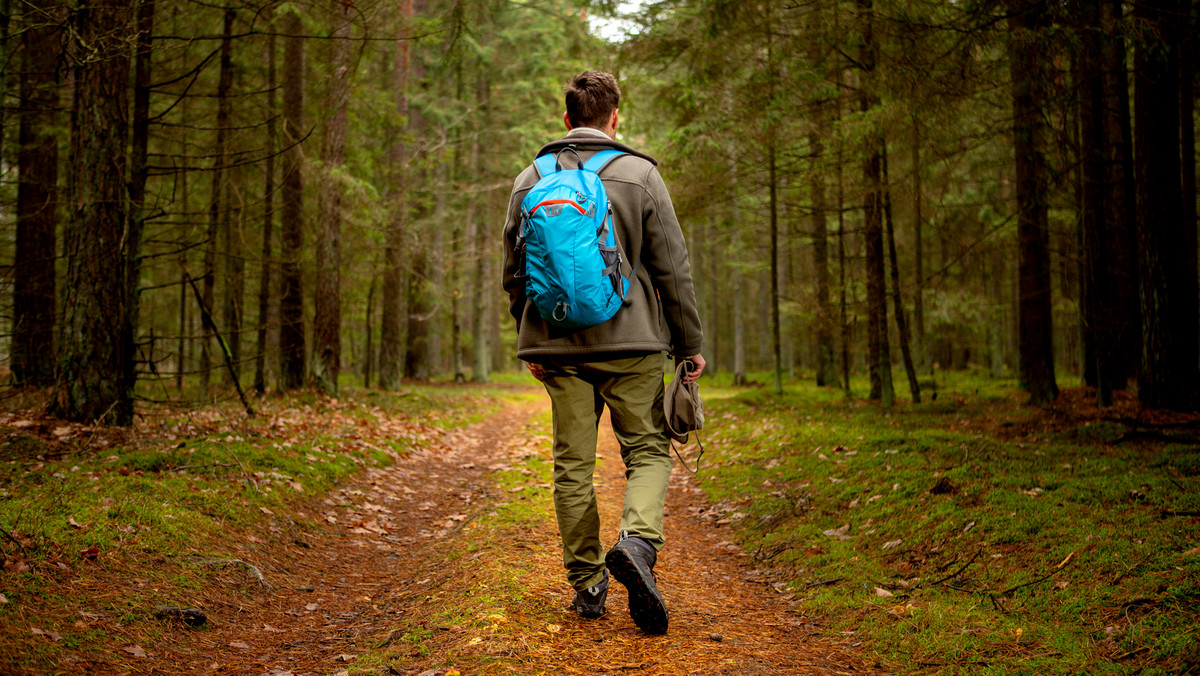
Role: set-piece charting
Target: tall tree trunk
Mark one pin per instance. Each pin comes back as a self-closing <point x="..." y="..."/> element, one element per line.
<point x="1121" y="208"/>
<point x="478" y="241"/>
<point x="138" y="174"/>
<point x="910" y="369"/>
<point x="37" y="201"/>
<point x="918" y="250"/>
<point x="291" y="301"/>
<point x="1169" y="361"/>
<point x="233" y="232"/>
<point x="826" y="363"/>
<point x="220" y="155"/>
<point x="776" y="352"/>
<point x="327" y="324"/>
<point x="92" y="357"/>
<point x="416" y="346"/>
<point x="1101" y="312"/>
<point x="391" y="341"/>
<point x="368" y="370"/>
<point x="879" y="363"/>
<point x="5" y="35"/>
<point x="185" y="340"/>
<point x="841" y="242"/>
<point x="738" y="278"/>
<point x="268" y="226"/>
<point x="419" y="289"/>
<point x="1030" y="66"/>
<point x="1187" y="169"/>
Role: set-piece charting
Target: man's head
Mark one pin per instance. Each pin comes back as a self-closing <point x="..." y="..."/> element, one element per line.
<point x="592" y="99"/>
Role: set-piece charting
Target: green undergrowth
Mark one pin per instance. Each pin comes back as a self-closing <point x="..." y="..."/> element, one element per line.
<point x="79" y="503"/>
<point x="969" y="534"/>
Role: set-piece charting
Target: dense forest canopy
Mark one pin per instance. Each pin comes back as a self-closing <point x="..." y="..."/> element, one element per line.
<point x="275" y="195"/>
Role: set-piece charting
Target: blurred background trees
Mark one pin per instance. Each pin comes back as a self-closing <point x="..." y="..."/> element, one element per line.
<point x="865" y="186"/>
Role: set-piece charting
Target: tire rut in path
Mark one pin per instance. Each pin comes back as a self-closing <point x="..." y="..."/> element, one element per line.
<point x="337" y="591"/>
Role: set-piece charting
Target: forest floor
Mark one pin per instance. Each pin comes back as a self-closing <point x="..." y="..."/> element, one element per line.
<point x="435" y="556"/>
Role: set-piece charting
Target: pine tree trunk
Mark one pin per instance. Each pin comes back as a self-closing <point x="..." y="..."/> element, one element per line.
<point x="268" y="225"/>
<point x="478" y="241"/>
<point x="291" y="301"/>
<point x="92" y="356"/>
<point x="918" y="251"/>
<point x="1169" y="361"/>
<point x="910" y="369"/>
<point x="37" y="202"/>
<point x="391" y="341"/>
<point x="5" y="36"/>
<point x="826" y="363"/>
<point x="217" y="190"/>
<point x="738" y="284"/>
<point x="1187" y="170"/>
<point x="138" y="174"/>
<point x="1029" y="66"/>
<point x="776" y="352"/>
<point x="841" y="241"/>
<point x="879" y="364"/>
<point x="1121" y="211"/>
<point x="327" y="323"/>
<point x="233" y="232"/>
<point x="185" y="340"/>
<point x="1101" y="316"/>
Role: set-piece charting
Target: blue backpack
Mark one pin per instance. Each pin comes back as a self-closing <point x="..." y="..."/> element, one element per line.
<point x="568" y="251"/>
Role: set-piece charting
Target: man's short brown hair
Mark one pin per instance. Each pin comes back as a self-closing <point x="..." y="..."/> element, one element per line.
<point x="592" y="96"/>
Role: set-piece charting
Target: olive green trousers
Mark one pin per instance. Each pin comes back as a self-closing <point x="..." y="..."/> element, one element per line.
<point x="632" y="388"/>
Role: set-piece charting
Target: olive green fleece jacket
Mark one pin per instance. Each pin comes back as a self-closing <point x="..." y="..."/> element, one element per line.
<point x="646" y="229"/>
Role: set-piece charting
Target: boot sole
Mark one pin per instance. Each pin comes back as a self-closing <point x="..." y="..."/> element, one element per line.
<point x="646" y="605"/>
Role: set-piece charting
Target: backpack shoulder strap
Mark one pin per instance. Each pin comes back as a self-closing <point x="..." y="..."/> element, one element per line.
<point x="601" y="159"/>
<point x="545" y="165"/>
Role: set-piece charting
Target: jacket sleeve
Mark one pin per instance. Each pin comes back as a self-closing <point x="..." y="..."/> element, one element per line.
<point x="514" y="286"/>
<point x="665" y="256"/>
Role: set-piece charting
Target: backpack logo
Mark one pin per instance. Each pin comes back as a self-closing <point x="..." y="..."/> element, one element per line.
<point x="566" y="243"/>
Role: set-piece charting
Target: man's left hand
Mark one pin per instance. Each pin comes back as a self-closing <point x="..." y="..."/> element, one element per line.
<point x="693" y="374"/>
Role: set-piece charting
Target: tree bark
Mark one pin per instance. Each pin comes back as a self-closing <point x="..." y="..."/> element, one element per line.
<point x="1169" y="361"/>
<point x="138" y="174"/>
<point x="879" y="363"/>
<point x="826" y="362"/>
<point x="268" y="226"/>
<point x="1029" y="67"/>
<point x="918" y="250"/>
<point x="291" y="301"/>
<point x="92" y="356"/>
<point x="910" y="370"/>
<point x="776" y="348"/>
<point x="327" y="324"/>
<point x="34" y="289"/>
<point x="217" y="190"/>
<point x="391" y="341"/>
<point x="477" y="242"/>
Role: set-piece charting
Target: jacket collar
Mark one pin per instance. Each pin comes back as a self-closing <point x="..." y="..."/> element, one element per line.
<point x="587" y="137"/>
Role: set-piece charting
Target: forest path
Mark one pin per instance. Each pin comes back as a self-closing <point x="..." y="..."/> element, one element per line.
<point x="397" y="582"/>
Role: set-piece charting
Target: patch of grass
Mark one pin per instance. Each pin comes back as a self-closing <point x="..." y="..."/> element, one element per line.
<point x="967" y="536"/>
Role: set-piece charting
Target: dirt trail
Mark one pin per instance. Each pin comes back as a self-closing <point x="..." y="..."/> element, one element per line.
<point x="380" y="565"/>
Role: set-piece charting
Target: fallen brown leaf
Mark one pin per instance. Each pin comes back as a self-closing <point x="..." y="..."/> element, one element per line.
<point x="135" y="650"/>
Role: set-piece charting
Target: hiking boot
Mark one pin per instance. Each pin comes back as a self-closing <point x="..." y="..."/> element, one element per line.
<point x="589" y="603"/>
<point x="632" y="561"/>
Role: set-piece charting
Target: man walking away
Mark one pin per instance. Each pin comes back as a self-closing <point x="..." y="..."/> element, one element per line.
<point x="617" y="363"/>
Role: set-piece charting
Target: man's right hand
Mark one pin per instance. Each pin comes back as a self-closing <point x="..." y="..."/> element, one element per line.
<point x="537" y="370"/>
